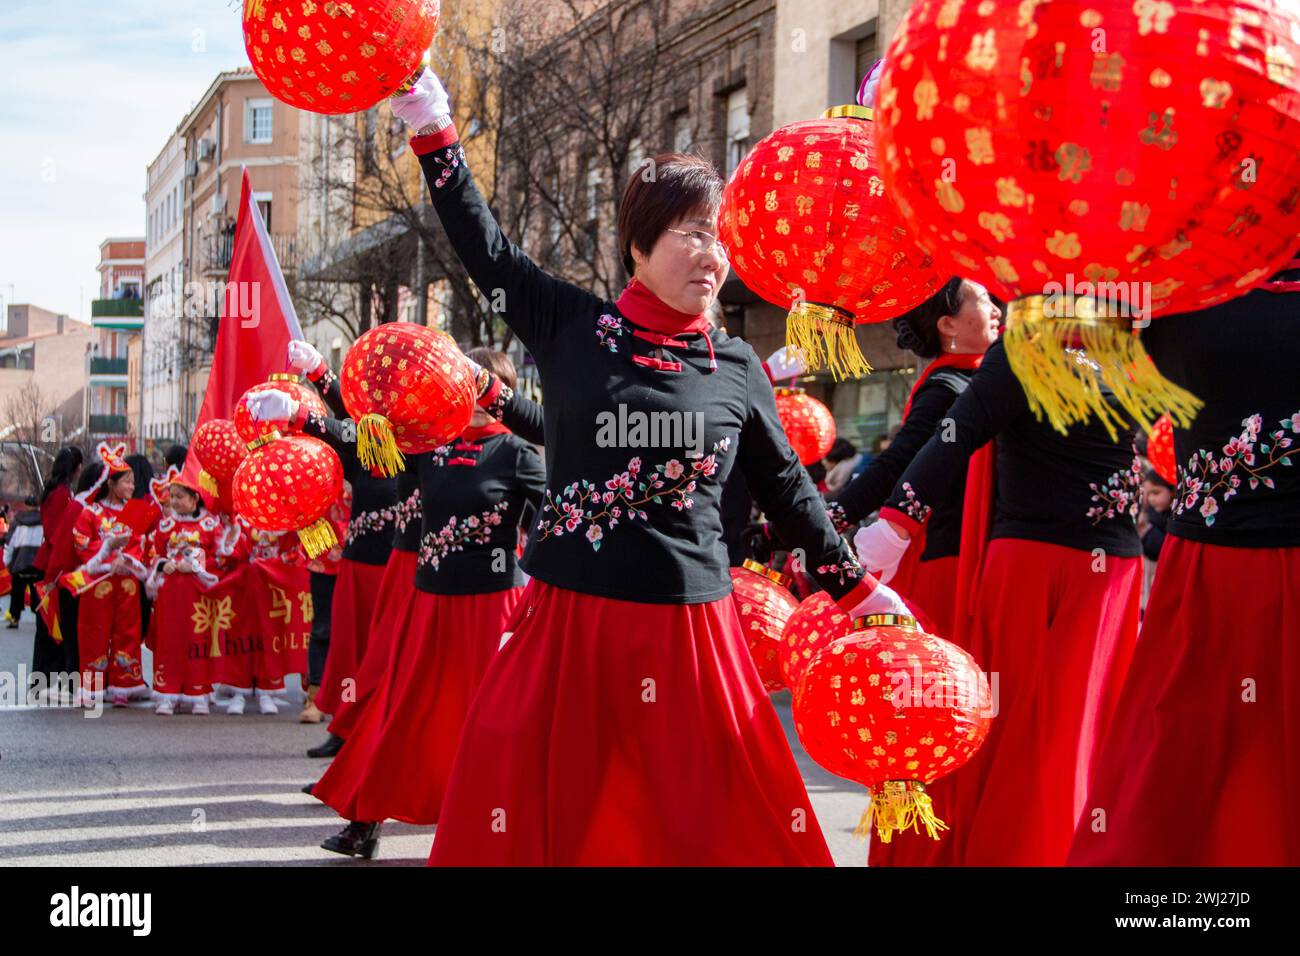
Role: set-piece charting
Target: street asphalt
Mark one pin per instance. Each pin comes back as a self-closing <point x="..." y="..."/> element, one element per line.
<point x="129" y="788"/>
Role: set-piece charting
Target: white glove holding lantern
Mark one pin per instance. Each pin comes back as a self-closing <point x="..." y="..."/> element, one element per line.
<point x="880" y="548"/>
<point x="786" y="363"/>
<point x="426" y="105"/>
<point x="272" y="405"/>
<point x="883" y="600"/>
<point x="304" y="357"/>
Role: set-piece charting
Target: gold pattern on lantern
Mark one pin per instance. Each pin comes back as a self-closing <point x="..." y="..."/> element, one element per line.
<point x="1160" y="130"/>
<point x="1090" y="18"/>
<point x="937" y="146"/>
<point x="1153" y="15"/>
<point x="1280" y="65"/>
<point x="1160" y="79"/>
<point x="304" y="32"/>
<point x="298" y="55"/>
<point x="1009" y="192"/>
<point x="366" y="50"/>
<point x="961" y="103"/>
<point x="308" y="8"/>
<point x="1107" y="71"/>
<point x="323" y="48"/>
<point x="1074" y="160"/>
<point x="1215" y="93"/>
<point x="813" y="160"/>
<point x="925" y="95"/>
<point x="876" y="186"/>
<point x="979" y="145"/>
<point x="1078" y="207"/>
<point x="948" y="14"/>
<point x="998" y="224"/>
<point x="277" y="21"/>
<point x="1004" y="270"/>
<point x="1133" y="216"/>
<point x="949" y="198"/>
<point x="983" y="52"/>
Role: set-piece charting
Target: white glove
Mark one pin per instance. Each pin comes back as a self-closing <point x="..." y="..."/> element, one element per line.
<point x="880" y="548"/>
<point x="425" y="105"/>
<point x="272" y="405"/>
<point x="883" y="600"/>
<point x="304" y="357"/>
<point x="786" y="363"/>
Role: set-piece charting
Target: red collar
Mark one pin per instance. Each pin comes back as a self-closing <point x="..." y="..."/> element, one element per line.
<point x="642" y="307"/>
<point x="947" y="360"/>
<point x="477" y="434"/>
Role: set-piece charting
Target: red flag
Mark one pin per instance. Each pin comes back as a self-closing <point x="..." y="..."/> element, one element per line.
<point x="257" y="322"/>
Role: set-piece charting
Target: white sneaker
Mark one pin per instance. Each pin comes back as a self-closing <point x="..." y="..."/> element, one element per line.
<point x="266" y="704"/>
<point x="235" y="706"/>
<point x="200" y="707"/>
<point x="118" y="698"/>
<point x="165" y="708"/>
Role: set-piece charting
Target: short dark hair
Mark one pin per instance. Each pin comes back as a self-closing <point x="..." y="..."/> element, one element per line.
<point x="1156" y="478"/>
<point x="841" y="450"/>
<point x="143" y="474"/>
<point x="918" y="328"/>
<point x="679" y="184"/>
<point x="498" y="363"/>
<point x="176" y="456"/>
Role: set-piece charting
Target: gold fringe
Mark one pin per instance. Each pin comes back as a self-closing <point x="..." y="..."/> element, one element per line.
<point x="208" y="483"/>
<point x="1062" y="387"/>
<point x="376" y="445"/>
<point x="317" y="538"/>
<point x="823" y="335"/>
<point x="899" y="805"/>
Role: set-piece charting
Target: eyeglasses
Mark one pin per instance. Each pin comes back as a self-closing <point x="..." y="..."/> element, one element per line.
<point x="699" y="241"/>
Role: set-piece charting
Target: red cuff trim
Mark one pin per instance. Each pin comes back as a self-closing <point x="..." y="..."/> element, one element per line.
<point x="299" y="417"/>
<point x="859" y="594"/>
<point x="491" y="394"/>
<point x="894" y="516"/>
<point x="318" y="372"/>
<point x="423" y="145"/>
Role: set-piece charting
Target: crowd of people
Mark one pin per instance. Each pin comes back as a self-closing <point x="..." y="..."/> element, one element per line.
<point x="593" y="702"/>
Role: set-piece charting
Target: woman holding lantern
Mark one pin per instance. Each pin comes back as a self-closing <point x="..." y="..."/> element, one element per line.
<point x="1201" y="765"/>
<point x="1053" y="574"/>
<point x="952" y="329"/>
<point x="627" y="627"/>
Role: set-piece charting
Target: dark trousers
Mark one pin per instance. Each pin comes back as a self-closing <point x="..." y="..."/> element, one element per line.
<point x="322" y="601"/>
<point x="49" y="657"/>
<point x="24" y="582"/>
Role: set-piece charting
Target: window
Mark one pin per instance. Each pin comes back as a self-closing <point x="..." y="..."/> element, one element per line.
<point x="257" y="120"/>
<point x="682" y="136"/>
<point x="593" y="192"/>
<point x="263" y="201"/>
<point x="737" y="128"/>
<point x="864" y="56"/>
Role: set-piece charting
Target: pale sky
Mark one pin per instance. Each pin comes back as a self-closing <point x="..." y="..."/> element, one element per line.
<point x="90" y="90"/>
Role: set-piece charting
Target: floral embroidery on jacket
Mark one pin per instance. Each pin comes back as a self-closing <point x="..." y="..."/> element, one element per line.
<point x="1119" y="495"/>
<point x="404" y="512"/>
<point x="369" y="522"/>
<point x="850" y="567"/>
<point x="448" y="159"/>
<point x="583" y="502"/>
<point x="456" y="533"/>
<point x="608" y="328"/>
<point x="835" y="512"/>
<point x="1212" y="479"/>
<point x="911" y="505"/>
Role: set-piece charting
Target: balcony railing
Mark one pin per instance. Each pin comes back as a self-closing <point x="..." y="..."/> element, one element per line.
<point x="117" y="308"/>
<point x="216" y="251"/>
<point x="108" y="366"/>
<point x="108" y="424"/>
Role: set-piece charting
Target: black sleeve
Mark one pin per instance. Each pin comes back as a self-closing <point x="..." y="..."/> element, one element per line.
<point x="868" y="491"/>
<point x="781" y="487"/>
<point x="339" y="434"/>
<point x="519" y="414"/>
<point x="994" y="399"/>
<point x="328" y="386"/>
<point x="531" y="474"/>
<point x="534" y="302"/>
<point x="1154" y="539"/>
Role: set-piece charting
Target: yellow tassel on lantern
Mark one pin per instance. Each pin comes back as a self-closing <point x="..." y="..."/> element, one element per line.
<point x="899" y="805"/>
<point x="317" y="538"/>
<point x="824" y="336"/>
<point x="1061" y="383"/>
<point x="376" y="445"/>
<point x="208" y="483"/>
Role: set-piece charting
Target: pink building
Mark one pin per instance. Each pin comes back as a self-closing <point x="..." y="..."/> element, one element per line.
<point x="117" y="316"/>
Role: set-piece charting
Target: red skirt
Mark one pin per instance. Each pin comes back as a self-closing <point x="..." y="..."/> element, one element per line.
<point x="273" y="624"/>
<point x="396" y="591"/>
<point x="356" y="589"/>
<point x="398" y="757"/>
<point x="1201" y="766"/>
<point x="1055" y="628"/>
<point x="610" y="732"/>
<point x="187" y="630"/>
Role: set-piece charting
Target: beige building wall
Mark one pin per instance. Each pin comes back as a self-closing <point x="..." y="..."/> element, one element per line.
<point x="819" y="47"/>
<point x="58" y="360"/>
<point x="158" y="413"/>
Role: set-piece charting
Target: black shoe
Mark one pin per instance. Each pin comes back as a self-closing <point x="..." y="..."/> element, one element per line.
<point x="309" y="788"/>
<point x="355" y="839"/>
<point x="329" y="748"/>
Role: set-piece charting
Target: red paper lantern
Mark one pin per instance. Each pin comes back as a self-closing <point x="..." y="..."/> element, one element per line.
<point x="893" y="708"/>
<point x="1160" y="450"/>
<point x="764" y="605"/>
<point x="808" y="424"/>
<point x="816" y="622"/>
<point x="1044" y="148"/>
<point x="808" y="227"/>
<point x="220" y="451"/>
<point x="409" y="389"/>
<point x="343" y="57"/>
<point x="288" y="483"/>
<point x="250" y="430"/>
